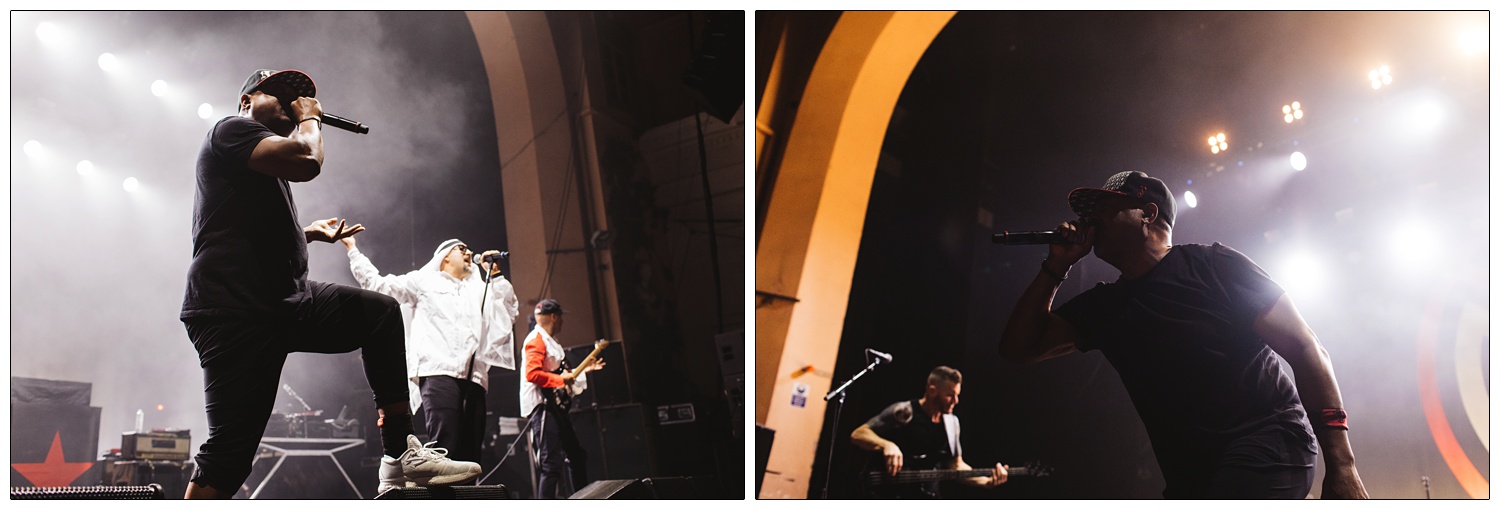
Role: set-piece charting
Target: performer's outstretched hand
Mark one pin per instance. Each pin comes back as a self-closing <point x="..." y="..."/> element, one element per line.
<point x="327" y="231"/>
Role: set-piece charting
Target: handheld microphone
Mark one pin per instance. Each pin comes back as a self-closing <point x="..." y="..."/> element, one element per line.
<point x="1032" y="237"/>
<point x="883" y="357"/>
<point x="493" y="258"/>
<point x="332" y="120"/>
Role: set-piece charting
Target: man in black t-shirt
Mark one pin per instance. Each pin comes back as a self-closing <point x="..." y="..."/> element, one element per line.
<point x="1197" y="334"/>
<point x="249" y="303"/>
<point x="923" y="434"/>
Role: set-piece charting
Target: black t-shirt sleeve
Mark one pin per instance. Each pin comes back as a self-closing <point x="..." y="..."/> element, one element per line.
<point x="894" y="417"/>
<point x="1082" y="313"/>
<point x="235" y="139"/>
<point x="1247" y="285"/>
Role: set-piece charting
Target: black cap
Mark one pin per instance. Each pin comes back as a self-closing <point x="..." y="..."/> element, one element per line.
<point x="297" y="80"/>
<point x="1132" y="184"/>
<point x="548" y="307"/>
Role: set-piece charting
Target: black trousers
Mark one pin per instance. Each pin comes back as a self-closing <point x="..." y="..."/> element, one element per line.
<point x="1260" y="483"/>
<point x="558" y="452"/>
<point x="1242" y="482"/>
<point x="454" y="409"/>
<point x="242" y="361"/>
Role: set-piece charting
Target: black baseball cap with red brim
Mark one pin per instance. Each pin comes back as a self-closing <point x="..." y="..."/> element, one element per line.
<point x="1131" y="184"/>
<point x="297" y="80"/>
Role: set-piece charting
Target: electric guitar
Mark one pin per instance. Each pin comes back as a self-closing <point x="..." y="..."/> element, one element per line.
<point x="563" y="397"/>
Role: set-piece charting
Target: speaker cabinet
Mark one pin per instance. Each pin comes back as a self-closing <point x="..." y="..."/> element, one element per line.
<point x="51" y="444"/>
<point x="614" y="437"/>
<point x="764" y="436"/>
<point x="607" y="387"/>
<point x="503" y="466"/>
<point x="453" y="492"/>
<point x="717" y="74"/>
<point x="170" y="475"/>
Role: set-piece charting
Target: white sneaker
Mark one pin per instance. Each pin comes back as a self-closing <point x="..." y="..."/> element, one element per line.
<point x="421" y="466"/>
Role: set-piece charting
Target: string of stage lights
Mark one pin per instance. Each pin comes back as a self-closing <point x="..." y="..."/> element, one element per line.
<point x="1408" y="110"/>
<point x="48" y="155"/>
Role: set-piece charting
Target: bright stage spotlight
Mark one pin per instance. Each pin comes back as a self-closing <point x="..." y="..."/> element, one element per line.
<point x="108" y="62"/>
<point x="1380" y="77"/>
<point x="205" y="110"/>
<point x="1413" y="247"/>
<point x="85" y="167"/>
<point x="1301" y="274"/>
<point x="1190" y="199"/>
<point x="48" y="32"/>
<point x="1217" y="143"/>
<point x="1299" y="161"/>
<point x="1292" y="111"/>
<point x="1424" y="116"/>
<point x="1474" y="41"/>
<point x="159" y="88"/>
<point x="131" y="184"/>
<point x="32" y="148"/>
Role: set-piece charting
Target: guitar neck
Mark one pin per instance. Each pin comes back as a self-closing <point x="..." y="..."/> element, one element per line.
<point x="932" y="475"/>
<point x="587" y="360"/>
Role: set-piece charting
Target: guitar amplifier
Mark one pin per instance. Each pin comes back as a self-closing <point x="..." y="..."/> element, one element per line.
<point x="156" y="445"/>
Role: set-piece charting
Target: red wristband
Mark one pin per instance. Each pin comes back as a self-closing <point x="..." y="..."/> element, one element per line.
<point x="1335" y="419"/>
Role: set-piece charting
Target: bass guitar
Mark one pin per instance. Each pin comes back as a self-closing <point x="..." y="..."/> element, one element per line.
<point x="563" y="397"/>
<point x="916" y="483"/>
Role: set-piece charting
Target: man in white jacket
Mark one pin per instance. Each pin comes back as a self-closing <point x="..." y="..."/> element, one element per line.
<point x="460" y="326"/>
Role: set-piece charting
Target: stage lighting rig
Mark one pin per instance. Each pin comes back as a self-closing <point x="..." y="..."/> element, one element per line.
<point x="48" y="32"/>
<point x="1217" y="143"/>
<point x="1292" y="111"/>
<point x="1380" y="77"/>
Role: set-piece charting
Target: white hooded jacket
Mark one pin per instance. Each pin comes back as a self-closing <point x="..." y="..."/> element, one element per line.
<point x="445" y="333"/>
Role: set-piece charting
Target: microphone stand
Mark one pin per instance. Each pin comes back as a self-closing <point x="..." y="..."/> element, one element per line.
<point x="838" y="408"/>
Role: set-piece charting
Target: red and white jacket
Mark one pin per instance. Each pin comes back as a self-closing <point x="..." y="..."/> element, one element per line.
<point x="543" y="355"/>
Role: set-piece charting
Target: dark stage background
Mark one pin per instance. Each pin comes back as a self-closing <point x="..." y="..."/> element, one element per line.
<point x="1007" y="112"/>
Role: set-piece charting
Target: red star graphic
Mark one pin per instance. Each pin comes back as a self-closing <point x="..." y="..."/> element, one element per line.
<point x="55" y="471"/>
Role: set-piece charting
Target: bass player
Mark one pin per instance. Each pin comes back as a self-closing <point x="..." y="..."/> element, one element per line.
<point x="544" y="378"/>
<point x="923" y="434"/>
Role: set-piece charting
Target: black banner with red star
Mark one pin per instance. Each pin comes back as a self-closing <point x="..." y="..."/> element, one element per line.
<point x="54" y="445"/>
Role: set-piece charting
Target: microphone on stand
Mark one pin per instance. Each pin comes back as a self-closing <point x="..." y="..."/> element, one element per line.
<point x="332" y="120"/>
<point x="493" y="258"/>
<point x="1032" y="237"/>
<point x="883" y="357"/>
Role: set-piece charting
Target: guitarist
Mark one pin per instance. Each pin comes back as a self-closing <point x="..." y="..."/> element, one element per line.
<point x="551" y="429"/>
<point x="923" y="434"/>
